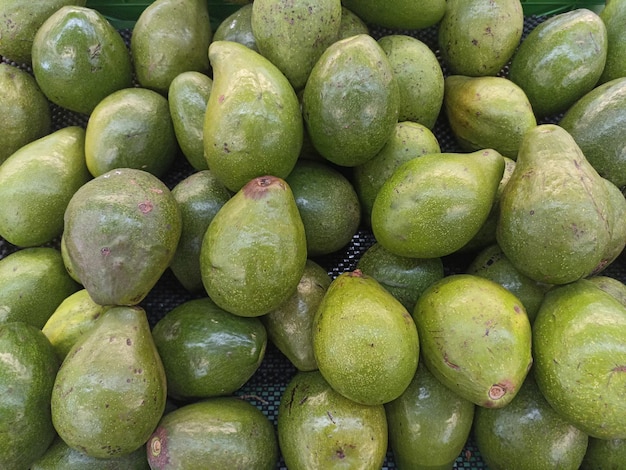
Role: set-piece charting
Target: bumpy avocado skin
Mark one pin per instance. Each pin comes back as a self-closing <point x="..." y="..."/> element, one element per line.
<point x="110" y="391"/>
<point x="27" y="374"/>
<point x="121" y="232"/>
<point x="320" y="428"/>
<point x="254" y="251"/>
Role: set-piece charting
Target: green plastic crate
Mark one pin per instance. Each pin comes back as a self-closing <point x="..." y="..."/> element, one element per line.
<point x="124" y="13"/>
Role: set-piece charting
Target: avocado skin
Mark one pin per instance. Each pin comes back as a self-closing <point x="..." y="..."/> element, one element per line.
<point x="27" y="374"/>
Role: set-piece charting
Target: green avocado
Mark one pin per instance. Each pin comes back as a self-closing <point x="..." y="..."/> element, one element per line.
<point x="110" y="391"/>
<point x="219" y="432"/>
<point x="170" y="37"/>
<point x="398" y="14"/>
<point x="613" y="15"/>
<point x="237" y="27"/>
<point x="25" y="111"/>
<point x="37" y="183"/>
<point x="254" y="251"/>
<point x="478" y="37"/>
<point x="429" y="424"/>
<point x="364" y="341"/>
<point x="121" y="232"/>
<point x="560" y="60"/>
<point x="27" y="372"/>
<point x="320" y="428"/>
<point x="604" y="454"/>
<point x="79" y="58"/>
<point x="33" y="283"/>
<point x="578" y="345"/>
<point x="528" y="434"/>
<point x="207" y="351"/>
<point x="475" y="338"/>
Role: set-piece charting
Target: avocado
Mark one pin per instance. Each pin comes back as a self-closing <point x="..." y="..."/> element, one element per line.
<point x="398" y="14"/>
<point x="219" y="432"/>
<point x="27" y="372"/>
<point x="613" y="15"/>
<point x="237" y="27"/>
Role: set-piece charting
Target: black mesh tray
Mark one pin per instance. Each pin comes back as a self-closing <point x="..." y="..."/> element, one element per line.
<point x="265" y="388"/>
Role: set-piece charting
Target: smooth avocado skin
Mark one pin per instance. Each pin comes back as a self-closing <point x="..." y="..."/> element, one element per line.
<point x="219" y="432"/>
<point x="528" y="434"/>
<point x="27" y="372"/>
<point x="475" y="337"/>
<point x="350" y="102"/>
<point x="187" y="97"/>
<point x="20" y="24"/>
<point x="170" y="37"/>
<point x="110" y="391"/>
<point x="25" y="111"/>
<point x="613" y="15"/>
<point x="604" y="454"/>
<point x="578" y="338"/>
<point x="33" y="282"/>
<point x="429" y="424"/>
<point x="364" y="341"/>
<point x="319" y="428"/>
<point x="207" y="351"/>
<point x="131" y="128"/>
<point x="254" y="251"/>
<point x="478" y="37"/>
<point x="79" y="58"/>
<point x="36" y="185"/>
<point x="398" y="14"/>
<point x="595" y="122"/>
<point x="237" y="27"/>
<point x="290" y="326"/>
<point x="60" y="456"/>
<point x="121" y="232"/>
<point x="199" y="196"/>
<point x="560" y="60"/>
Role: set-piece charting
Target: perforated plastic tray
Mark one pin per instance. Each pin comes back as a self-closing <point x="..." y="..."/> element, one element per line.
<point x="265" y="388"/>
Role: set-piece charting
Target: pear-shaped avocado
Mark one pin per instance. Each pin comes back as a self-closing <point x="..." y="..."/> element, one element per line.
<point x="27" y="371"/>
<point x="61" y="456"/>
<point x="290" y="326"/>
<point x="24" y="110"/>
<point x="110" y="391"/>
<point x="33" y="283"/>
<point x="219" y="432"/>
<point x="75" y="316"/>
<point x="79" y="58"/>
<point x="207" y="351"/>
<point x="320" y="428"/>
<point x="405" y="278"/>
<point x="478" y="37"/>
<point x="596" y="122"/>
<point x="364" y="340"/>
<point x="428" y="424"/>
<point x="293" y="35"/>
<point x="528" y="434"/>
<point x="20" y="22"/>
<point x="130" y="128"/>
<point x="475" y="338"/>
<point x="487" y="112"/>
<point x="187" y="96"/>
<point x="254" y="251"/>
<point x="557" y="218"/>
<point x="237" y="27"/>
<point x="492" y="263"/>
<point x="170" y="37"/>
<point x="199" y="196"/>
<point x="408" y="140"/>
<point x="350" y="102"/>
<point x="37" y="183"/>
<point x="433" y="205"/>
<point x="253" y="124"/>
<point x="328" y="204"/>
<point x="121" y="232"/>
<point x="560" y="60"/>
<point x="419" y="77"/>
<point x="613" y="16"/>
<point x="578" y="344"/>
<point x="398" y="14"/>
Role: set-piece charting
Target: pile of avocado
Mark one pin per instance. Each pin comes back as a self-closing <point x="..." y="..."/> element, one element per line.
<point x="428" y="235"/>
